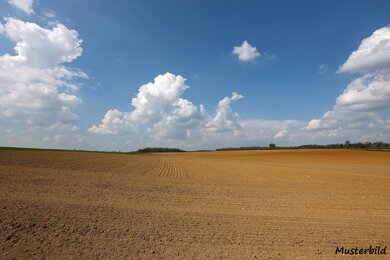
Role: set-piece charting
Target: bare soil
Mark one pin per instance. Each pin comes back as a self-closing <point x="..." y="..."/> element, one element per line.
<point x="238" y="205"/>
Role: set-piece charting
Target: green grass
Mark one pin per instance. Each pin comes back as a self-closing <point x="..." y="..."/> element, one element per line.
<point x="2" y="148"/>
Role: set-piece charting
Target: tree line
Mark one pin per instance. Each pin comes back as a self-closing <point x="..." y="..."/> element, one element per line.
<point x="272" y="146"/>
<point x="346" y="145"/>
<point x="160" y="150"/>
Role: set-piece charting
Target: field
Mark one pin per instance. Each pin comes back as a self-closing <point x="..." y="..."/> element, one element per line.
<point x="245" y="204"/>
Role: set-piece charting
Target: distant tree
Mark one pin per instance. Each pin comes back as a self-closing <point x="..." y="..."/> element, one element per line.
<point x="272" y="146"/>
<point x="159" y="150"/>
<point x="347" y="143"/>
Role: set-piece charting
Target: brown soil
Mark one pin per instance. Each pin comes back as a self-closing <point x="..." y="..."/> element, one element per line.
<point x="245" y="204"/>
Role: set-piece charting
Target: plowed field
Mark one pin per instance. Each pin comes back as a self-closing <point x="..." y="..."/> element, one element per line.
<point x="246" y="204"/>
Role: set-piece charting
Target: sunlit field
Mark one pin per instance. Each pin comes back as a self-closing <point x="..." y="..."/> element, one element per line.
<point x="242" y="204"/>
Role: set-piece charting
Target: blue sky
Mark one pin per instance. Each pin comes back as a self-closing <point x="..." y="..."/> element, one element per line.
<point x="126" y="44"/>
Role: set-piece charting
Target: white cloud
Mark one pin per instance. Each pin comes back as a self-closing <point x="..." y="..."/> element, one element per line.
<point x="160" y="110"/>
<point x="314" y="124"/>
<point x="156" y="105"/>
<point x="35" y="86"/>
<point x="114" y="122"/>
<point x="246" y="52"/>
<point x="365" y="103"/>
<point x="24" y="5"/>
<point x="182" y="123"/>
<point x="39" y="93"/>
<point x="281" y="134"/>
<point x="161" y="116"/>
<point x="224" y="119"/>
<point x="38" y="47"/>
<point x="157" y="99"/>
<point x="260" y="132"/>
<point x="370" y="92"/>
<point x="372" y="54"/>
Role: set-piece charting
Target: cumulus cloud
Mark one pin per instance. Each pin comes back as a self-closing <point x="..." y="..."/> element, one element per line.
<point x="224" y="119"/>
<point x="161" y="111"/>
<point x="36" y="88"/>
<point x="38" y="93"/>
<point x="159" y="106"/>
<point x="181" y="123"/>
<point x="372" y="54"/>
<point x="313" y="124"/>
<point x="38" y="47"/>
<point x="24" y="5"/>
<point x="162" y="97"/>
<point x="370" y="92"/>
<point x="364" y="105"/>
<point x="281" y="134"/>
<point x="246" y="52"/>
<point x="163" y="117"/>
<point x="113" y="122"/>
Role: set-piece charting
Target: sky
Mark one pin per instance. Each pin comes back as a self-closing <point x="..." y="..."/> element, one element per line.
<point x="122" y="75"/>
